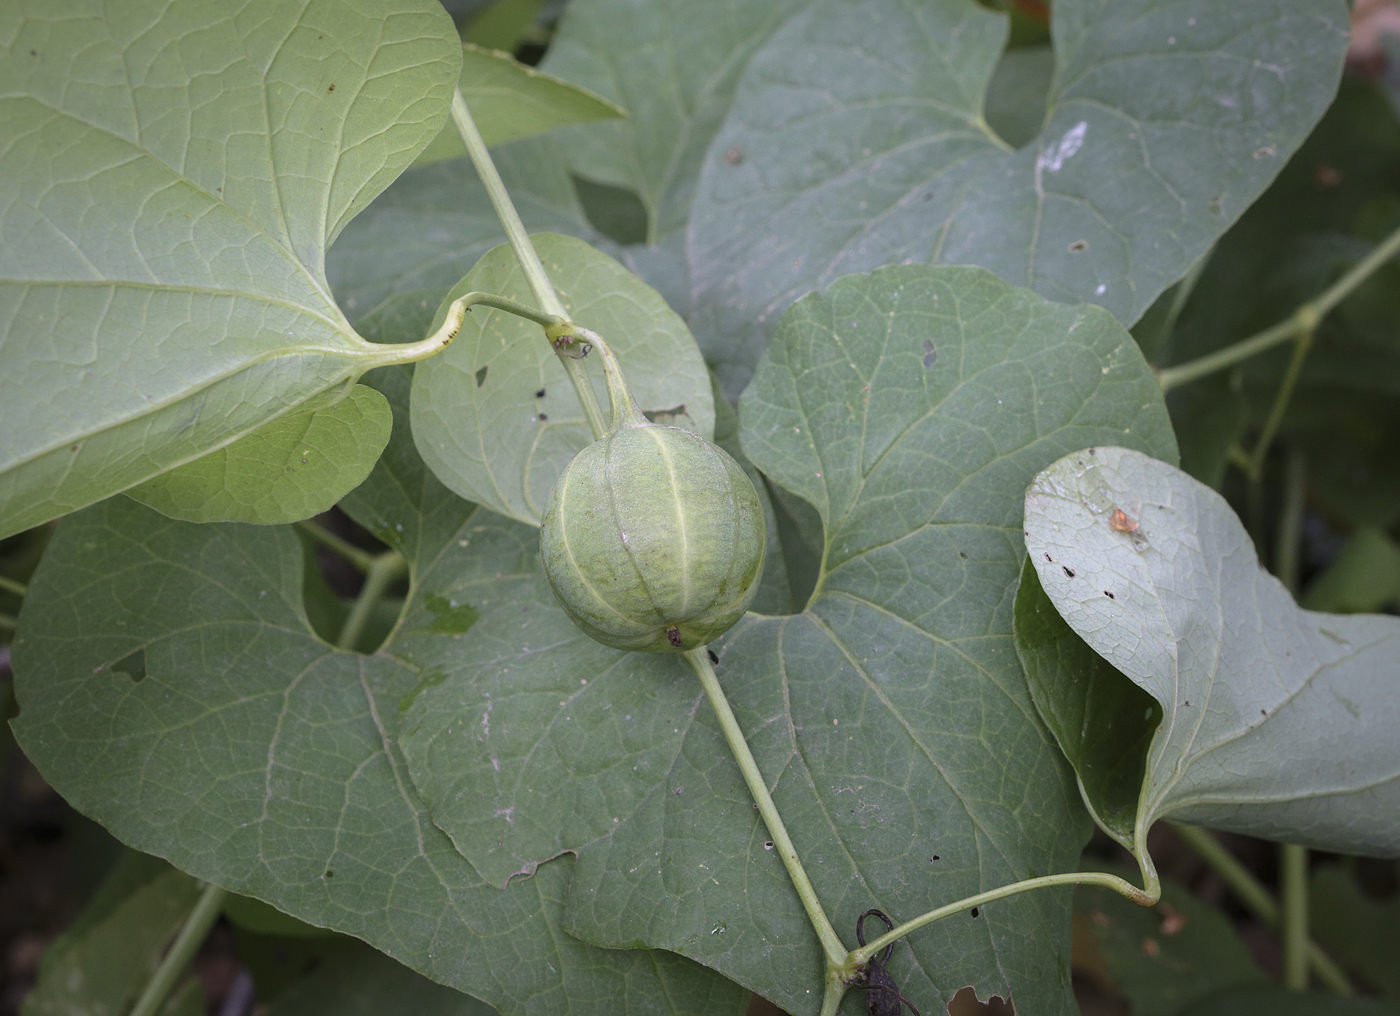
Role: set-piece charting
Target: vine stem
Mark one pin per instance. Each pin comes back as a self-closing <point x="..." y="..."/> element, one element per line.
<point x="11" y="586"/>
<point x="1293" y="862"/>
<point x="383" y="569"/>
<point x="858" y="957"/>
<point x="832" y="945"/>
<point x="1254" y="896"/>
<point x="182" y="950"/>
<point x="529" y="258"/>
<point x="361" y="559"/>
<point x="9" y="621"/>
<point x="1304" y="320"/>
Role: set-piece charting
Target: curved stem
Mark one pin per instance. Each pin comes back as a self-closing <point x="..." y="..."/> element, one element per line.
<point x="186" y="944"/>
<point x="383" y="569"/>
<point x="8" y="621"/>
<point x="832" y="945"/>
<point x="1254" y="896"/>
<point x="1303" y="320"/>
<point x="834" y="991"/>
<point x="411" y="352"/>
<point x="625" y="411"/>
<point x="857" y="957"/>
<point x="11" y="586"/>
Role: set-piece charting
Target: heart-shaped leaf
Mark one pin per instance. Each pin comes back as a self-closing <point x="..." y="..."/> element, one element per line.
<point x="170" y="181"/>
<point x="297" y="466"/>
<point x="857" y="138"/>
<point x="1275" y="721"/>
<point x="172" y="689"/>
<point x="495" y="416"/>
<point x="910" y="406"/>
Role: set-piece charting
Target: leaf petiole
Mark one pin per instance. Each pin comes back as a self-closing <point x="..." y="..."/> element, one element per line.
<point x="9" y="585"/>
<point x="858" y="957"/>
<point x="832" y="946"/>
<point x="361" y="559"/>
<point x="383" y="569"/>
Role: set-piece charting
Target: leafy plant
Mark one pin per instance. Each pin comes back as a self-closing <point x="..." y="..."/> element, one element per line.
<point x="992" y="612"/>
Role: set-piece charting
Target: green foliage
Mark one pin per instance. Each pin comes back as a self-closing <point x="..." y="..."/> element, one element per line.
<point x="162" y="285"/>
<point x="297" y="466"/>
<point x="509" y="814"/>
<point x="1164" y="957"/>
<point x="100" y="965"/>
<point x="1153" y="570"/>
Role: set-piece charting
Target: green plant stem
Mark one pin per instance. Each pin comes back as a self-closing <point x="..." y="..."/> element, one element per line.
<point x="411" y="352"/>
<point x="526" y="254"/>
<point x="1301" y="344"/>
<point x="9" y="621"/>
<point x="1289" y="541"/>
<point x="540" y="285"/>
<point x="1293" y="862"/>
<point x="1254" y="896"/>
<point x="383" y="569"/>
<point x="11" y="586"/>
<point x="832" y="945"/>
<point x="857" y="957"/>
<point x="181" y="952"/>
<point x="361" y="559"/>
<point x="1303" y="320"/>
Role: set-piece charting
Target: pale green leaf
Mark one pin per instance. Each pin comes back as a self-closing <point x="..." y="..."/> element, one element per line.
<point x="1277" y="722"/>
<point x="101" y="964"/>
<point x="169" y="181"/>
<point x="911" y="406"/>
<point x="172" y="689"/>
<point x="504" y="24"/>
<point x="509" y="100"/>
<point x="857" y="137"/>
<point x="1359" y="930"/>
<point x="495" y="416"/>
<point x="297" y="466"/>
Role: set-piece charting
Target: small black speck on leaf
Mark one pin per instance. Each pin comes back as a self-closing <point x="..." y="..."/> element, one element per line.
<point x="539" y="394"/>
<point x="974" y="911"/>
<point x="330" y="874"/>
<point x="935" y="857"/>
<point x="962" y="555"/>
<point x="542" y="416"/>
<point x="1068" y="571"/>
<point x="713" y="657"/>
<point x="332" y="88"/>
<point x="1109" y="595"/>
<point x="481" y="377"/>
<point x="1079" y="246"/>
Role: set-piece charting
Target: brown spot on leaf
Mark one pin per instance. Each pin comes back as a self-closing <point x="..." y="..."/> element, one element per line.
<point x="1121" y="522"/>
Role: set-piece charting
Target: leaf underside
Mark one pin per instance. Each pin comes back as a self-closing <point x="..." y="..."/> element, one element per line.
<point x="1276" y="722"/>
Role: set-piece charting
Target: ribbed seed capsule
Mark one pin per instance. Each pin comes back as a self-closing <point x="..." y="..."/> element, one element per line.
<point x="653" y="540"/>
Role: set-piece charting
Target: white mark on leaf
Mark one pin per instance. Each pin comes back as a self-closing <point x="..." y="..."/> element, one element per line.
<point x="1056" y="156"/>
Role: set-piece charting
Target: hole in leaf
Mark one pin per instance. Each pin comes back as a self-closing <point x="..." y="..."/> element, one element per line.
<point x="966" y="1003"/>
<point x="450" y="620"/>
<point x="1079" y="246"/>
<point x="133" y="665"/>
<point x="666" y="417"/>
<point x="615" y="212"/>
<point x="930" y="354"/>
<point x="481" y="377"/>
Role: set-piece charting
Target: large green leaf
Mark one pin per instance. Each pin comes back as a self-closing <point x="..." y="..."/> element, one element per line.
<point x="495" y="415"/>
<point x="101" y="964"/>
<point x="1276" y="721"/>
<point x="170" y="687"/>
<point x="297" y="466"/>
<point x="910" y="406"/>
<point x="857" y="138"/>
<point x="509" y="100"/>
<point x="170" y="180"/>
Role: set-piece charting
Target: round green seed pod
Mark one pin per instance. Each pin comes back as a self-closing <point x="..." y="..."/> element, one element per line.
<point x="653" y="539"/>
